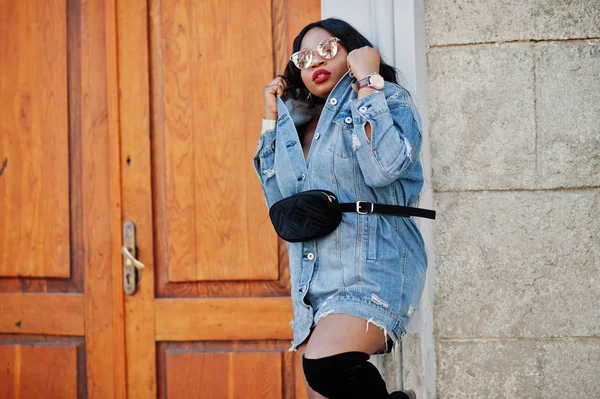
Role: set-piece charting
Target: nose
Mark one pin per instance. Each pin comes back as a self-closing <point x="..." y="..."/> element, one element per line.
<point x="317" y="61"/>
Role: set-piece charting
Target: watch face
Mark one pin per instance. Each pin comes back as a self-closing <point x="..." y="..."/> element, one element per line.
<point x="377" y="81"/>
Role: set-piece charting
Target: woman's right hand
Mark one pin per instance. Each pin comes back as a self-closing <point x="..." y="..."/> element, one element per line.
<point x="277" y="87"/>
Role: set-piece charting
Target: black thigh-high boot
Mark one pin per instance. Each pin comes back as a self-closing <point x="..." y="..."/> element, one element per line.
<point x="346" y="375"/>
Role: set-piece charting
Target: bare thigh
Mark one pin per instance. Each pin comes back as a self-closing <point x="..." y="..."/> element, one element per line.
<point x="339" y="333"/>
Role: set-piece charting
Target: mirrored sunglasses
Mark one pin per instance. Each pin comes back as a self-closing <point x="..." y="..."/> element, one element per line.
<point x="326" y="49"/>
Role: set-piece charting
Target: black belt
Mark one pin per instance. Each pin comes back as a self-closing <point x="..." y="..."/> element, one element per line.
<point x="364" y="207"/>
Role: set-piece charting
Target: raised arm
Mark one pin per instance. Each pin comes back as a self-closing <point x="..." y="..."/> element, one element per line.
<point x="395" y="136"/>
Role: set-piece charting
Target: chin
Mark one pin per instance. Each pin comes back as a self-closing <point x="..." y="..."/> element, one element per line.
<point x="322" y="94"/>
<point x="323" y="91"/>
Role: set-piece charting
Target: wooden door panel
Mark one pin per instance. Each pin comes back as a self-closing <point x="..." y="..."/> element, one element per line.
<point x="40" y="140"/>
<point x="216" y="57"/>
<point x="222" y="319"/>
<point x="210" y="61"/>
<point x="34" y="149"/>
<point x="224" y="375"/>
<point x="229" y="369"/>
<point x="42" y="314"/>
<point x="42" y="368"/>
<point x="235" y="47"/>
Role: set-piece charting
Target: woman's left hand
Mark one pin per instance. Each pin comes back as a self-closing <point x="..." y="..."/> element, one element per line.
<point x="363" y="61"/>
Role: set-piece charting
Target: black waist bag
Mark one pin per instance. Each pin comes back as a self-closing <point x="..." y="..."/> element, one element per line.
<point x="306" y="215"/>
<point x="315" y="213"/>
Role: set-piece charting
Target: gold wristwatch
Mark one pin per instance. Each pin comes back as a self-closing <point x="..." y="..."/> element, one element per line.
<point x="373" y="80"/>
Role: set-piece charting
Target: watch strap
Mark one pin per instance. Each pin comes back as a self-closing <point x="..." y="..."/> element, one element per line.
<point x="364" y="82"/>
<point x="371" y="80"/>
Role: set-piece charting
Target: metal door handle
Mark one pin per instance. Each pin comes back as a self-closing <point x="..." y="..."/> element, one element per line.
<point x="130" y="259"/>
<point x="131" y="266"/>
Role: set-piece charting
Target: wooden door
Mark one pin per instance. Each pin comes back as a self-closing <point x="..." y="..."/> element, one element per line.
<point x="61" y="301"/>
<point x="210" y="318"/>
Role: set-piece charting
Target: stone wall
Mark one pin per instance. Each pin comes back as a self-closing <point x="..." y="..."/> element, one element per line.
<point x="514" y="113"/>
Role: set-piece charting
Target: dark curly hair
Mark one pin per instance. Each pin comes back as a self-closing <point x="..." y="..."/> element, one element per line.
<point x="350" y="38"/>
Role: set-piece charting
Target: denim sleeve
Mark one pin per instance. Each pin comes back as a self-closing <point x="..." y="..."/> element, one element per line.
<point x="395" y="136"/>
<point x="264" y="165"/>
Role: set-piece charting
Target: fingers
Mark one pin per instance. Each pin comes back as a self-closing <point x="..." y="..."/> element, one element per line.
<point x="282" y="79"/>
<point x="277" y="89"/>
<point x="282" y="84"/>
<point x="278" y="86"/>
<point x="280" y="89"/>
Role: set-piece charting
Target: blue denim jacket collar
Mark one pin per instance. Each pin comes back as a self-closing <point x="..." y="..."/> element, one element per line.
<point x="297" y="110"/>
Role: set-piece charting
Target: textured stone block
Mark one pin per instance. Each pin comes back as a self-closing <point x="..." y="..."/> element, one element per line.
<point x="479" y="21"/>
<point x="560" y="19"/>
<point x="517" y="264"/>
<point x="482" y="118"/>
<point x="568" y="114"/>
<point x="532" y="369"/>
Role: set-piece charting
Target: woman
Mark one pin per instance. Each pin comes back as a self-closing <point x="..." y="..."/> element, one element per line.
<point x="332" y="123"/>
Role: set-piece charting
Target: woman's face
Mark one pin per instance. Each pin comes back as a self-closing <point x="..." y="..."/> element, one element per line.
<point x="336" y="67"/>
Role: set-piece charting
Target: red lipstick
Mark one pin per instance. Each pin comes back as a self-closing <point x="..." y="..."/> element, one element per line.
<point x="321" y="75"/>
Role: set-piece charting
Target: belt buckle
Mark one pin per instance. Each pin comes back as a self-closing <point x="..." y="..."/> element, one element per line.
<point x="361" y="203"/>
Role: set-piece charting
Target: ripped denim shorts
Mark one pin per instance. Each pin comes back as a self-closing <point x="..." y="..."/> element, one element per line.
<point x="328" y="277"/>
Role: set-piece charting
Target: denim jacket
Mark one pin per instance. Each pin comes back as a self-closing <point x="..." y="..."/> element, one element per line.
<point x="385" y="169"/>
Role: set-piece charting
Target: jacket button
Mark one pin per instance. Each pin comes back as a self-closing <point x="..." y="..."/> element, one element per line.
<point x="303" y="177"/>
<point x="348" y="120"/>
<point x="310" y="256"/>
<point x="317" y="135"/>
<point x="333" y="101"/>
<point x="363" y="109"/>
<point x="273" y="145"/>
<point x="303" y="288"/>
